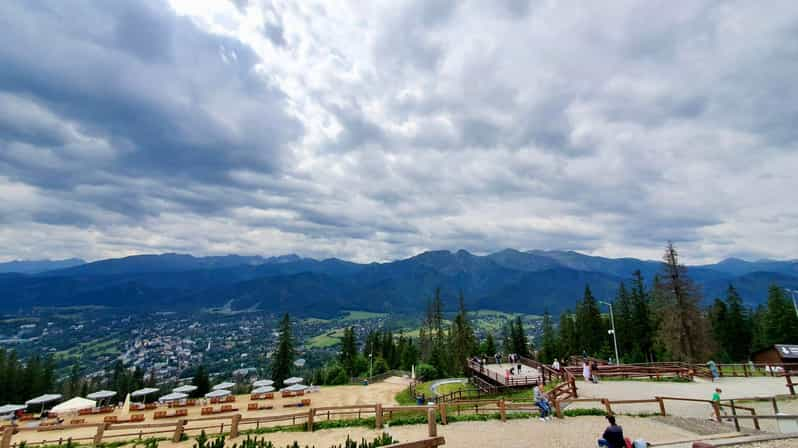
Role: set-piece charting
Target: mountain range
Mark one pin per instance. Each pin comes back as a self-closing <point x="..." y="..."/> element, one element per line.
<point x="509" y="280"/>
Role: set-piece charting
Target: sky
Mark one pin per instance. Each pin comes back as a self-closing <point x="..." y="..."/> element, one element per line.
<point x="376" y="130"/>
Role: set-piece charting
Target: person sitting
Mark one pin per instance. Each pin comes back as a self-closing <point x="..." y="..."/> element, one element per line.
<point x="613" y="435"/>
<point x="542" y="402"/>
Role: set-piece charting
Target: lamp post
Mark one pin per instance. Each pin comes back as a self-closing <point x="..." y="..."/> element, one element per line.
<point x="371" y="365"/>
<point x="794" y="305"/>
<point x="612" y="332"/>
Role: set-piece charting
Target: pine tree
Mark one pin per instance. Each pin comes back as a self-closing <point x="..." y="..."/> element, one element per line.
<point x="590" y="331"/>
<point x="520" y="343"/>
<point x="201" y="381"/>
<point x="463" y="340"/>
<point x="623" y="309"/>
<point x="642" y="327"/>
<point x="490" y="346"/>
<point x="348" y="351"/>
<point x="568" y="340"/>
<point x="284" y="355"/>
<point x="740" y="334"/>
<point x="781" y="320"/>
<point x="549" y="347"/>
<point x="718" y="316"/>
<point x="683" y="329"/>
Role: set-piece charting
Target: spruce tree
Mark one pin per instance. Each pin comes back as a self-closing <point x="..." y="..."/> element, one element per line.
<point x="348" y="351"/>
<point x="781" y="320"/>
<point x="623" y="309"/>
<point x="740" y="334"/>
<point x="201" y="381"/>
<point x="642" y="327"/>
<point x="490" y="345"/>
<point x="683" y="329"/>
<point x="284" y="355"/>
<point x="719" y="314"/>
<point x="463" y="340"/>
<point x="590" y="332"/>
<point x="548" y="348"/>
<point x="568" y="340"/>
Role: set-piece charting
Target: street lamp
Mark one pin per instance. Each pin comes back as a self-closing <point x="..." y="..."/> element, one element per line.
<point x="792" y="292"/>
<point x="371" y="365"/>
<point x="612" y="332"/>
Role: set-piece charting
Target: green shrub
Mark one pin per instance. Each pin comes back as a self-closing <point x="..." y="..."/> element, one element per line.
<point x="426" y="371"/>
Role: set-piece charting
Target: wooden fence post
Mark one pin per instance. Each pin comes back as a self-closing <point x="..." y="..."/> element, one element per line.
<point x="661" y="406"/>
<point x="503" y="410"/>
<point x="734" y="414"/>
<point x="432" y="425"/>
<point x="557" y="408"/>
<point x="378" y="416"/>
<point x="178" y="431"/>
<point x="442" y="410"/>
<point x="234" y="426"/>
<point x="775" y="405"/>
<point x="8" y="433"/>
<point x="98" y="437"/>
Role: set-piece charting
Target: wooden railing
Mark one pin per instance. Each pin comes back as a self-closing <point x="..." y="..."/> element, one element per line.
<point x="512" y="381"/>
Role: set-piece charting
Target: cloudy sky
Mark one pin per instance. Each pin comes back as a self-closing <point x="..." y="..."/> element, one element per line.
<point x="375" y="130"/>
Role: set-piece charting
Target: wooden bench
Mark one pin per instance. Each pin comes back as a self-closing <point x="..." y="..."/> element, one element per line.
<point x="137" y="418"/>
<point x="159" y="414"/>
<point x="111" y="419"/>
<point x="228" y="408"/>
<point x="207" y="411"/>
<point x="266" y="396"/>
<point x="77" y="421"/>
<point x="292" y="393"/>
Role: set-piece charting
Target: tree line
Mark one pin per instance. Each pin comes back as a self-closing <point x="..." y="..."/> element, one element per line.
<point x="667" y="322"/>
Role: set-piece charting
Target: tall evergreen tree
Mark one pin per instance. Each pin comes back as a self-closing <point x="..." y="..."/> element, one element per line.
<point x="568" y="340"/>
<point x="284" y="355"/>
<point x="623" y="309"/>
<point x="740" y="333"/>
<point x="780" y="320"/>
<point x="718" y="317"/>
<point x="642" y="327"/>
<point x="463" y="340"/>
<point x="590" y="332"/>
<point x="683" y="331"/>
<point x="202" y="382"/>
<point x="548" y="348"/>
<point x="490" y="345"/>
<point x="348" y="351"/>
<point x="519" y="340"/>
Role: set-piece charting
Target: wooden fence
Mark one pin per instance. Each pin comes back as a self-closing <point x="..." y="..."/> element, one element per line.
<point x="235" y="424"/>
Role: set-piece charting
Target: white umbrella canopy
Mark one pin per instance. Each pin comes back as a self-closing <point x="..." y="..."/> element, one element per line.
<point x="101" y="395"/>
<point x="187" y="389"/>
<point x="225" y="385"/>
<point x="9" y="408"/>
<point x="174" y="396"/>
<point x="295" y="388"/>
<point x="300" y="363"/>
<point x="262" y="383"/>
<point x="74" y="405"/>
<point x="126" y="406"/>
<point x="43" y="399"/>
<point x="294" y="380"/>
<point x="263" y="390"/>
<point x="143" y="392"/>
<point x="218" y="393"/>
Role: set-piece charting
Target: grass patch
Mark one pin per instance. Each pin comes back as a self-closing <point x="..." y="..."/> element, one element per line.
<point x="97" y="347"/>
<point x="323" y="341"/>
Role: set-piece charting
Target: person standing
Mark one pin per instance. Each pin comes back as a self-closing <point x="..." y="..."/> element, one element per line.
<point x="713" y="368"/>
<point x="556" y="364"/>
<point x="594" y="372"/>
<point x="613" y="435"/>
<point x="586" y="370"/>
